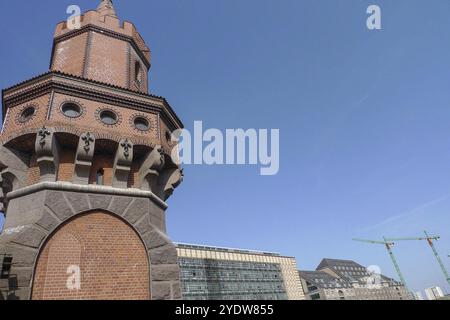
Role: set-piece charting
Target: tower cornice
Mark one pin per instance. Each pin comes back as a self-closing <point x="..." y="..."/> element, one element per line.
<point x="103" y="31"/>
<point x="102" y="92"/>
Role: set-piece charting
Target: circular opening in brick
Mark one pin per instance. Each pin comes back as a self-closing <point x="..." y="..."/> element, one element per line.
<point x="142" y="124"/>
<point x="108" y="117"/>
<point x="71" y="110"/>
<point x="27" y="114"/>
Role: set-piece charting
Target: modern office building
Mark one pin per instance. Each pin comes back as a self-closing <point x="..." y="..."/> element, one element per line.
<point x="213" y="273"/>
<point x="347" y="280"/>
<point x="434" y="293"/>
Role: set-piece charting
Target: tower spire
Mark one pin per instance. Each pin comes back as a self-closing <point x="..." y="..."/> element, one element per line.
<point x="106" y="8"/>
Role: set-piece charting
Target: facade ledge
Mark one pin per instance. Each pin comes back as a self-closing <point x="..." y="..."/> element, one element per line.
<point x="95" y="189"/>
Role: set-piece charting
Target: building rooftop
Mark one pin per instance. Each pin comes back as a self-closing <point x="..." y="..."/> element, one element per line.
<point x="330" y="263"/>
<point x="224" y="249"/>
<point x="321" y="279"/>
<point x="348" y="271"/>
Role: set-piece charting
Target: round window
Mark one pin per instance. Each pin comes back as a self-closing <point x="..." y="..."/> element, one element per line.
<point x="141" y="124"/>
<point x="71" y="110"/>
<point x="108" y="117"/>
<point x="27" y="114"/>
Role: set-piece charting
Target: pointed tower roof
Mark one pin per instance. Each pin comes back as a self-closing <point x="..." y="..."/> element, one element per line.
<point x="106" y="8"/>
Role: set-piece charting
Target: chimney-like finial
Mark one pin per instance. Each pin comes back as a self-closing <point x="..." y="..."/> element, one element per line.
<point x="106" y="8"/>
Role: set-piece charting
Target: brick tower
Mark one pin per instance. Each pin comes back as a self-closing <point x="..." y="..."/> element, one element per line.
<point x="86" y="169"/>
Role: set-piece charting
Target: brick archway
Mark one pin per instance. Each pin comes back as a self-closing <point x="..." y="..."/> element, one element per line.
<point x="109" y="254"/>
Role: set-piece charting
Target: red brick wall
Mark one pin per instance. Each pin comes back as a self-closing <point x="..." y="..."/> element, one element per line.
<point x="34" y="173"/>
<point x="66" y="165"/>
<point x="13" y="127"/>
<point x="108" y="60"/>
<point x="105" y="162"/>
<point x="69" y="55"/>
<point x="89" y="120"/>
<point x="112" y="259"/>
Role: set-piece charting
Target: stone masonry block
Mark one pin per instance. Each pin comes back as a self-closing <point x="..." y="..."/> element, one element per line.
<point x="164" y="255"/>
<point x="78" y="201"/>
<point x="138" y="208"/>
<point x="120" y="204"/>
<point x="100" y="201"/>
<point x="30" y="237"/>
<point x="58" y="204"/>
<point x="22" y="257"/>
<point x="166" y="273"/>
<point x="155" y="239"/>
<point x="161" y="291"/>
<point x="144" y="225"/>
<point x="47" y="220"/>
<point x="176" y="291"/>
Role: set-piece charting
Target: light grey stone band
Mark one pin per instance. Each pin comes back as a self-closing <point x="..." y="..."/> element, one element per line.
<point x="67" y="186"/>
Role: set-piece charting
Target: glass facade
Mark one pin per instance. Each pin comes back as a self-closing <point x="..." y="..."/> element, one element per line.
<point x="213" y="279"/>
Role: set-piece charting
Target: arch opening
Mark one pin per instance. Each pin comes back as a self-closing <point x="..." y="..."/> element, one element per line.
<point x="94" y="256"/>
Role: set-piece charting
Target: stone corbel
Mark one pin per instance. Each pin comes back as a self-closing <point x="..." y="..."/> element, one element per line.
<point x="150" y="170"/>
<point x="169" y="180"/>
<point x="122" y="164"/>
<point x="47" y="152"/>
<point x="13" y="172"/>
<point x="14" y="167"/>
<point x="83" y="162"/>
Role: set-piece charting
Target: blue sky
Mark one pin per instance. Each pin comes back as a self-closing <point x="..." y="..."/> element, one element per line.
<point x="363" y="118"/>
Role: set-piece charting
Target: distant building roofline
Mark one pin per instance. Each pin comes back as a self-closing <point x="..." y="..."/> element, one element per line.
<point x="216" y="248"/>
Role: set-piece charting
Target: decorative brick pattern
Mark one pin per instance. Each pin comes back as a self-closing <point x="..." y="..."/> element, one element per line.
<point x="108" y="60"/>
<point x="19" y="119"/>
<point x="37" y="120"/>
<point x="151" y="121"/>
<point x="69" y="55"/>
<point x="134" y="57"/>
<point x="119" y="119"/>
<point x="90" y="120"/>
<point x="76" y="102"/>
<point x="112" y="259"/>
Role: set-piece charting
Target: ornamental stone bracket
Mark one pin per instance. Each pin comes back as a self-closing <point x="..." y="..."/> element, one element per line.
<point x="159" y="176"/>
<point x="47" y="152"/>
<point x="170" y="180"/>
<point x="13" y="167"/>
<point x="13" y="173"/>
<point x="84" y="156"/>
<point x="122" y="164"/>
<point x="151" y="168"/>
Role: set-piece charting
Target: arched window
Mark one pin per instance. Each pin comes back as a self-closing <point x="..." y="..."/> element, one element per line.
<point x="137" y="74"/>
<point x="100" y="178"/>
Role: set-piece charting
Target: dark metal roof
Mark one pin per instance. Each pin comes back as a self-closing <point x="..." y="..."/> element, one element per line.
<point x="348" y="271"/>
<point x="321" y="279"/>
<point x="330" y="263"/>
